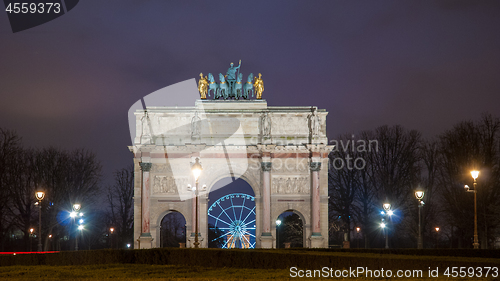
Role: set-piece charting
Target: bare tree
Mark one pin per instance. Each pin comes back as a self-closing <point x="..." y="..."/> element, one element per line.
<point x="471" y="146"/>
<point x="393" y="172"/>
<point x="10" y="145"/>
<point x="121" y="204"/>
<point x="343" y="180"/>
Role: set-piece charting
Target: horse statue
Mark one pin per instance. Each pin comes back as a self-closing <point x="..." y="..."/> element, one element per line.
<point x="212" y="86"/>
<point x="248" y="86"/>
<point x="223" y="87"/>
<point x="237" y="87"/>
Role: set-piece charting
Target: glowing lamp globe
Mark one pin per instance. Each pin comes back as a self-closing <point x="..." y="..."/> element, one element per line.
<point x="196" y="169"/>
<point x="387" y="206"/>
<point x="40" y="195"/>
<point x="419" y="194"/>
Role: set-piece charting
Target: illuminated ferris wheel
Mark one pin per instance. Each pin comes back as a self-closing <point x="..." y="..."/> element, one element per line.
<point x="234" y="216"/>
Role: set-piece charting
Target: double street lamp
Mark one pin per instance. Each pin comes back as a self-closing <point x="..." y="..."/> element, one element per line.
<point x="39" y="196"/>
<point x="419" y="194"/>
<point x="387" y="211"/>
<point x="196" y="169"/>
<point x="474" y="175"/>
<point x="74" y="214"/>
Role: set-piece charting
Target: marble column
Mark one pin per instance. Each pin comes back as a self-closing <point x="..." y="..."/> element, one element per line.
<point x="315" y="167"/>
<point x="266" y="190"/>
<point x="145" y="240"/>
<point x="266" y="238"/>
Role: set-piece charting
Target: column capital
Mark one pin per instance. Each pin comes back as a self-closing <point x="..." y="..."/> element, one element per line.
<point x="146" y="167"/>
<point x="266" y="166"/>
<point x="315" y="166"/>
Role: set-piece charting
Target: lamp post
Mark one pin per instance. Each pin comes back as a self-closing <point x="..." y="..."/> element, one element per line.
<point x="31" y="238"/>
<point x="39" y="196"/>
<point x="278" y="223"/>
<point x="357" y="232"/>
<point x="111" y="230"/>
<point x="419" y="194"/>
<point x="76" y="208"/>
<point x="437" y="236"/>
<point x="388" y="211"/>
<point x="196" y="169"/>
<point x="474" y="175"/>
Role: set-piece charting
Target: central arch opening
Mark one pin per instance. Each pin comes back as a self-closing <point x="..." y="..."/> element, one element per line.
<point x="173" y="230"/>
<point x="231" y="215"/>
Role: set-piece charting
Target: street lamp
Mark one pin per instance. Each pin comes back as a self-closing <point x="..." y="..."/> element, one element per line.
<point x="111" y="230"/>
<point x="76" y="208"/>
<point x="437" y="236"/>
<point x="31" y="238"/>
<point x="357" y="232"/>
<point x="278" y="223"/>
<point x="387" y="208"/>
<point x="474" y="175"/>
<point x="419" y="194"/>
<point x="196" y="169"/>
<point x="39" y="196"/>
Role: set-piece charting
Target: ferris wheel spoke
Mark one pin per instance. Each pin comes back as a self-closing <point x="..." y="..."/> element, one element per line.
<point x="218" y="219"/>
<point x="248" y="223"/>
<point x="221" y="236"/>
<point x="232" y="207"/>
<point x="224" y="211"/>
<point x="244" y="236"/>
<point x="249" y="214"/>
<point x="242" y="205"/>
<point x="225" y="244"/>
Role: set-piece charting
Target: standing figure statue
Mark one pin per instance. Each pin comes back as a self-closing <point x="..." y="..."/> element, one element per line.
<point x="266" y="125"/>
<point x="237" y="87"/>
<point x="259" y="86"/>
<point x="223" y="88"/>
<point x="315" y="123"/>
<point x="212" y="86"/>
<point x="231" y="72"/>
<point x="248" y="86"/>
<point x="195" y="126"/>
<point x="203" y="86"/>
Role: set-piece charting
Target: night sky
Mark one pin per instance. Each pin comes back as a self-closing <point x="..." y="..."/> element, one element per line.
<point x="423" y="64"/>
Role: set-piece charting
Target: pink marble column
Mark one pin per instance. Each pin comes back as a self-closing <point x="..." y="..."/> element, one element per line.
<point x="315" y="167"/>
<point x="193" y="216"/>
<point x="145" y="227"/>
<point x="266" y="198"/>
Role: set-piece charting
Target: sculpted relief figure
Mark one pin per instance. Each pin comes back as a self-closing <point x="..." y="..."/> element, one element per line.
<point x="290" y="185"/>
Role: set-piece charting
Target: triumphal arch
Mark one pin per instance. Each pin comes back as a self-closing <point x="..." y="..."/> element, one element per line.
<point x="280" y="151"/>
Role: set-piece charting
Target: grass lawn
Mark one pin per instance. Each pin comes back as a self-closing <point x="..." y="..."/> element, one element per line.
<point x="159" y="272"/>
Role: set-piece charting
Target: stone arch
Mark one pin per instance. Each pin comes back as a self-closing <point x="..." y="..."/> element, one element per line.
<point x="159" y="219"/>
<point x="253" y="181"/>
<point x="305" y="224"/>
<point x="210" y="188"/>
